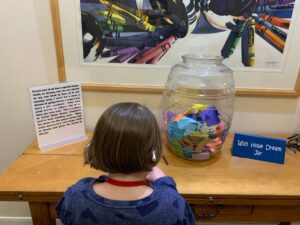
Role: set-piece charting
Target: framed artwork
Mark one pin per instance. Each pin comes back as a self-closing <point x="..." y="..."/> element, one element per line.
<point x="130" y="45"/>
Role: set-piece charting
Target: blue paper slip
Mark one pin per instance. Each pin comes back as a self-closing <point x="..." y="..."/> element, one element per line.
<point x="259" y="148"/>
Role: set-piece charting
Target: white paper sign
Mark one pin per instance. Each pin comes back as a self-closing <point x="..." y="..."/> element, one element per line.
<point x="58" y="114"/>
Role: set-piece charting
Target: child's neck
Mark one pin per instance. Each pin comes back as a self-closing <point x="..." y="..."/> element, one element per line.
<point x="128" y="177"/>
<point x="114" y="192"/>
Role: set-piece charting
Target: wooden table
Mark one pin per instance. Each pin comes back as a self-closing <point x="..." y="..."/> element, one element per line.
<point x="225" y="188"/>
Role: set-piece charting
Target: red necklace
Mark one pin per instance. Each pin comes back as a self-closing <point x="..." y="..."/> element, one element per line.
<point x="126" y="183"/>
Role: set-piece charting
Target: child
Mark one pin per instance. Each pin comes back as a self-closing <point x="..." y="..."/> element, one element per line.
<point x="127" y="145"/>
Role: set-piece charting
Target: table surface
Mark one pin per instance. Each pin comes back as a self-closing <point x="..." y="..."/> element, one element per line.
<point x="54" y="170"/>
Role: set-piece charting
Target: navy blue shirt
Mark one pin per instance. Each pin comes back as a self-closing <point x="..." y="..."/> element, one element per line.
<point x="80" y="205"/>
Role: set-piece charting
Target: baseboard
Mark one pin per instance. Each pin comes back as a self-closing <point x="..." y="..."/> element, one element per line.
<point x="14" y="220"/>
<point x="9" y="220"/>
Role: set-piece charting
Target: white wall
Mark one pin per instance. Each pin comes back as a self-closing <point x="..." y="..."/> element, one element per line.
<point x="27" y="58"/>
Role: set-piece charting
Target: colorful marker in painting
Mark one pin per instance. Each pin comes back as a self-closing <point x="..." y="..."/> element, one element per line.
<point x="123" y="57"/>
<point x="248" y="44"/>
<point x="251" y="43"/>
<point x="128" y="42"/>
<point x="157" y="54"/>
<point x="284" y="23"/>
<point x="233" y="39"/>
<point x="168" y="20"/>
<point x="153" y="36"/>
<point x="153" y="12"/>
<point x="169" y="40"/>
<point x="273" y="2"/>
<point x="282" y="13"/>
<point x="127" y="34"/>
<point x="153" y="53"/>
<point x="156" y="58"/>
<point x="245" y="41"/>
<point x="120" y="51"/>
<point x="191" y="13"/>
<point x="136" y="12"/>
<point x="138" y="21"/>
<point x="112" y="27"/>
<point x="270" y="36"/>
<point x="192" y="19"/>
<point x="141" y="52"/>
<point x="268" y="41"/>
<point x="134" y="35"/>
<point x="271" y="27"/>
<point x="112" y="16"/>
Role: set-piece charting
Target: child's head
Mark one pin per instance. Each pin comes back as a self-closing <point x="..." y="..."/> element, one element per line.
<point x="124" y="140"/>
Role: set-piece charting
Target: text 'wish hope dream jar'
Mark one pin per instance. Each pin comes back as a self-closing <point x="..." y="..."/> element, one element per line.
<point x="199" y="98"/>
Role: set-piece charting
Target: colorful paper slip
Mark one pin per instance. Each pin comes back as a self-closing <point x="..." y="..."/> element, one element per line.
<point x="259" y="148"/>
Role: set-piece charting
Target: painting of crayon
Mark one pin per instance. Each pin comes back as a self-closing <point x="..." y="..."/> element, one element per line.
<point x="247" y="33"/>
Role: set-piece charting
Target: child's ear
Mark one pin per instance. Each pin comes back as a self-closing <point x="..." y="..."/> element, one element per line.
<point x="87" y="154"/>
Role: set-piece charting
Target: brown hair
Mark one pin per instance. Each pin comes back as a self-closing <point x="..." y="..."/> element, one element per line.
<point x="124" y="140"/>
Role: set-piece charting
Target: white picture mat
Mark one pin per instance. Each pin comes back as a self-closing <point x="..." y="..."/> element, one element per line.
<point x="283" y="77"/>
<point x="58" y="136"/>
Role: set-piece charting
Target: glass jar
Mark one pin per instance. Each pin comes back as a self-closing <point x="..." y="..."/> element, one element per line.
<point x="199" y="99"/>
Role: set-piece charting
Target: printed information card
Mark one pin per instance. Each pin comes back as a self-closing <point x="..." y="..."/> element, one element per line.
<point x="259" y="148"/>
<point x="58" y="114"/>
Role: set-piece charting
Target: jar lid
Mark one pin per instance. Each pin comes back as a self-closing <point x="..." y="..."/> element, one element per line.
<point x="191" y="58"/>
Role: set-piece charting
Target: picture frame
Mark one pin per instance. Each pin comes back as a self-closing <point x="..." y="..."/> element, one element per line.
<point x="150" y="79"/>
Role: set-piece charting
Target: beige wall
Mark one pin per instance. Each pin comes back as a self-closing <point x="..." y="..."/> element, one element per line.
<point x="27" y="58"/>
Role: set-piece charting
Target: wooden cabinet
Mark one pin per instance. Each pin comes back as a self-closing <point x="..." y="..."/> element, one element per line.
<point x="225" y="188"/>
